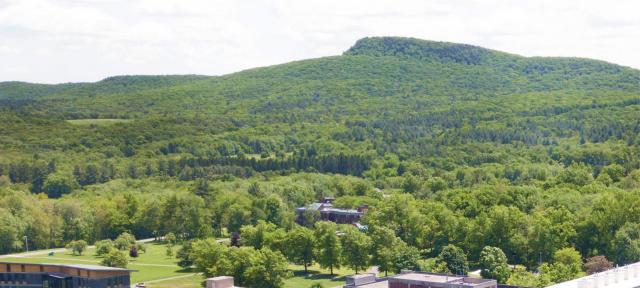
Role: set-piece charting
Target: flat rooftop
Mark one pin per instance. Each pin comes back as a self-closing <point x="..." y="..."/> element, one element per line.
<point x="75" y="266"/>
<point x="381" y="284"/>
<point x="435" y="278"/>
<point x="440" y="278"/>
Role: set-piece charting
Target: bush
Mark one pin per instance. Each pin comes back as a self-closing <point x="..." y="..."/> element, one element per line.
<point x="103" y="247"/>
<point x="115" y="258"/>
<point x="124" y="241"/>
<point x="170" y="238"/>
<point x="184" y="255"/>
<point x="77" y="247"/>
<point x="133" y="252"/>
<point x="597" y="264"/>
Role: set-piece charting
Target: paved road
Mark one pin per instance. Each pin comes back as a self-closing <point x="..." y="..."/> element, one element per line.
<point x="58" y="250"/>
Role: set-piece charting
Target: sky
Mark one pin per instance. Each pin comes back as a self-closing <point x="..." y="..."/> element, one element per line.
<point x="55" y="41"/>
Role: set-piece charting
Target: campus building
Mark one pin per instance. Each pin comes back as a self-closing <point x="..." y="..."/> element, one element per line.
<point x="19" y="275"/>
<point x="324" y="211"/>
<point x="418" y="280"/>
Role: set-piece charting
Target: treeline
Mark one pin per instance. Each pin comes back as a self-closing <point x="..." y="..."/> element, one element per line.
<point x="49" y="224"/>
<point x="185" y="169"/>
<point x="486" y="168"/>
<point x="333" y="246"/>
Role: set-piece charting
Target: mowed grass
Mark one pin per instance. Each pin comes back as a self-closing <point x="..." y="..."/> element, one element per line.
<point x="99" y="122"/>
<point x="316" y="275"/>
<point x="190" y="281"/>
<point x="152" y="265"/>
<point x="298" y="280"/>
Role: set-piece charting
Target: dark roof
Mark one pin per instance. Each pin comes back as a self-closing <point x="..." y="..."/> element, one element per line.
<point x="77" y="266"/>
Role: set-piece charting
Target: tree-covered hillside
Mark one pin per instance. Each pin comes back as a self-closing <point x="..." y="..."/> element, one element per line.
<point x="476" y="147"/>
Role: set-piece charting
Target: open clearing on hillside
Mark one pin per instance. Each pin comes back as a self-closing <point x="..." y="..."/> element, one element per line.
<point x="100" y="122"/>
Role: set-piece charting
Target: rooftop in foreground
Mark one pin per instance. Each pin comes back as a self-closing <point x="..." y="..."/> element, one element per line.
<point x="621" y="277"/>
<point x="459" y="281"/>
<point x="75" y="266"/>
<point x="418" y="279"/>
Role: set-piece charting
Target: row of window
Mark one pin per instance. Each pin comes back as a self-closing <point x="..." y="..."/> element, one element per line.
<point x="43" y="280"/>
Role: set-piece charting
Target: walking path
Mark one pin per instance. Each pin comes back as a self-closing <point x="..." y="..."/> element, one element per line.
<point x="59" y="250"/>
<point x="95" y="261"/>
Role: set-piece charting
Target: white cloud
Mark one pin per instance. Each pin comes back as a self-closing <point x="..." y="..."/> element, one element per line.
<point x="86" y="40"/>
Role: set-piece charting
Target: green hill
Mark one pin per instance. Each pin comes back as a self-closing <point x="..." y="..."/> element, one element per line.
<point x="393" y="93"/>
<point x="465" y="131"/>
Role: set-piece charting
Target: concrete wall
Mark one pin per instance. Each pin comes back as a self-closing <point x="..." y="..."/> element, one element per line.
<point x="220" y="282"/>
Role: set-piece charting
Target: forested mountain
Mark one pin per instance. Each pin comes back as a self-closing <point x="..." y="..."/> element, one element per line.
<point x="484" y="148"/>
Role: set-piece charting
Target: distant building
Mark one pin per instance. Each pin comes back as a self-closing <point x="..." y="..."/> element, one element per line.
<point x="18" y="275"/>
<point x="418" y="280"/>
<point x="324" y="211"/>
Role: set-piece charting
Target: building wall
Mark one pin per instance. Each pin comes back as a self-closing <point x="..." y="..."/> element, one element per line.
<point x="36" y="279"/>
<point x="397" y="283"/>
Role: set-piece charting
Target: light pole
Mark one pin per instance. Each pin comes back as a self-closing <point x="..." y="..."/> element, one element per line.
<point x="26" y="242"/>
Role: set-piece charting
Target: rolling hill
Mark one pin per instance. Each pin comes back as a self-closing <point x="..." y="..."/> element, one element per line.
<point x="385" y="94"/>
<point x="469" y="146"/>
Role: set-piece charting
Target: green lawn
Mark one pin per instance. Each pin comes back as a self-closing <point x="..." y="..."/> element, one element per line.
<point x="316" y="275"/>
<point x="192" y="281"/>
<point x="102" y="122"/>
<point x="155" y="265"/>
<point x="152" y="265"/>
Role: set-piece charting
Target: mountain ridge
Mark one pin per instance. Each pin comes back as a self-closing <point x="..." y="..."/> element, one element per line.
<point x="402" y="47"/>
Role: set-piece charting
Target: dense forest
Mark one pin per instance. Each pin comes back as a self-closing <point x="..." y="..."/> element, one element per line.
<point x="455" y="148"/>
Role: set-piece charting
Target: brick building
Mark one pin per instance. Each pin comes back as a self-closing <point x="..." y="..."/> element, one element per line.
<point x="324" y="211"/>
<point x="18" y="275"/>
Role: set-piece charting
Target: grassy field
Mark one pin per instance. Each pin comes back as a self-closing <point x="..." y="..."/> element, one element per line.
<point x="160" y="271"/>
<point x="316" y="275"/>
<point x="98" y="122"/>
<point x="152" y="265"/>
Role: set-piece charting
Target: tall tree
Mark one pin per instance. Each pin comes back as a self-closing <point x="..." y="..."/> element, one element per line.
<point x="455" y="259"/>
<point x="328" y="248"/>
<point x="384" y="242"/>
<point x="299" y="245"/>
<point x="268" y="269"/>
<point x="626" y="243"/>
<point x="355" y="248"/>
<point x="494" y="264"/>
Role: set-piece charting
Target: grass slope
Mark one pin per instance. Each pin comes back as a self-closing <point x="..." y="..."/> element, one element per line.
<point x="160" y="271"/>
<point x="152" y="265"/>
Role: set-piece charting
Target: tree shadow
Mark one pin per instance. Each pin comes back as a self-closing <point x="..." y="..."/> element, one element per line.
<point x="186" y="270"/>
<point x="316" y="275"/>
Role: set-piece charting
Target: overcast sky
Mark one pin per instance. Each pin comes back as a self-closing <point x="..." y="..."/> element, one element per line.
<point x="54" y="41"/>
